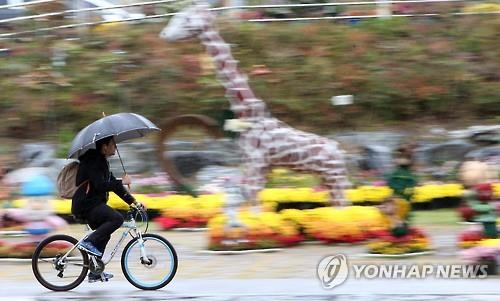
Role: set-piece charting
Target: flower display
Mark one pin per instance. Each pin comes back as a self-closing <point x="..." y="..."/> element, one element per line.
<point x="470" y="238"/>
<point x="480" y="206"/>
<point x="375" y="194"/>
<point x="361" y="194"/>
<point x="176" y="210"/>
<point x="486" y="252"/>
<point x="259" y="230"/>
<point x="22" y="230"/>
<point x="466" y="212"/>
<point x="286" y="178"/>
<point x="413" y="242"/>
<point x="427" y="193"/>
<point x="350" y="224"/>
<point x="496" y="190"/>
<point x="17" y="250"/>
<point x="421" y="194"/>
<point x="187" y="211"/>
<point x="271" y="197"/>
<point x="482" y="8"/>
<point x="25" y="249"/>
<point x="292" y="226"/>
<point x="486" y="249"/>
<point x="332" y="225"/>
<point x="492" y="242"/>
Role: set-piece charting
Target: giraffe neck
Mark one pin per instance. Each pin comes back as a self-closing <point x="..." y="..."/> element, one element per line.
<point x="243" y="101"/>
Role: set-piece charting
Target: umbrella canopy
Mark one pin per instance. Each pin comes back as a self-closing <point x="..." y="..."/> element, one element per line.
<point x="121" y="126"/>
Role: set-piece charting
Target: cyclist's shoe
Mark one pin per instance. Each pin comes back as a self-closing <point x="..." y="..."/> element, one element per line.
<point x="88" y="247"/>
<point x="103" y="277"/>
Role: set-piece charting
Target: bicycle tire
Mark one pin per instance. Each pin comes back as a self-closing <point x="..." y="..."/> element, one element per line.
<point x="40" y="278"/>
<point x="173" y="268"/>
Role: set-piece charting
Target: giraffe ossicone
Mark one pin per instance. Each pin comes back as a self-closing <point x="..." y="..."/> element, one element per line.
<point x="264" y="140"/>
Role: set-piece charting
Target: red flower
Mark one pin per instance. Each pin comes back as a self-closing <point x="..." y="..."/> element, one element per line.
<point x="166" y="222"/>
<point x="416" y="232"/>
<point x="471" y="236"/>
<point x="197" y="222"/>
<point x="189" y="224"/>
<point x="484" y="191"/>
<point x="378" y="233"/>
<point x="290" y="240"/>
<point x="467" y="213"/>
<point x="215" y="240"/>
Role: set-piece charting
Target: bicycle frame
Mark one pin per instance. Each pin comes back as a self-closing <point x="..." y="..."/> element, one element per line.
<point x="161" y="258"/>
<point x="129" y="226"/>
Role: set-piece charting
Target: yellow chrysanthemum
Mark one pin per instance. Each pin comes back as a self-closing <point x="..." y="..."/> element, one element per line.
<point x="496" y="190"/>
<point x="429" y="192"/>
<point x="368" y="194"/>
<point x="61" y="206"/>
<point x="482" y="8"/>
<point x="490" y="242"/>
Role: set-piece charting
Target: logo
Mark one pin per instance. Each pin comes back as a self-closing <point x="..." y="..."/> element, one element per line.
<point x="333" y="270"/>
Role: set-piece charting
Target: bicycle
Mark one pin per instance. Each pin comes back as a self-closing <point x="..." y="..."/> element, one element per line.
<point x="59" y="265"/>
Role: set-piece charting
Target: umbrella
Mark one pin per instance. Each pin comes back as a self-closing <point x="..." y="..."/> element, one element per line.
<point x="122" y="126"/>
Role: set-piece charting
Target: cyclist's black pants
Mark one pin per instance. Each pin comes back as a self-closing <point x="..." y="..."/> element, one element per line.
<point x="104" y="220"/>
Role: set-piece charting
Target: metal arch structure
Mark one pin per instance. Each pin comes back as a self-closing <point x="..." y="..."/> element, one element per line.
<point x="170" y="126"/>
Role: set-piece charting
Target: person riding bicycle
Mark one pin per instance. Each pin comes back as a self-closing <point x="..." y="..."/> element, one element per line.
<point x="95" y="181"/>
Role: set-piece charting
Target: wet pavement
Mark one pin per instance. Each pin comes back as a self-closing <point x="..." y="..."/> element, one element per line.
<point x="266" y="289"/>
<point x="289" y="274"/>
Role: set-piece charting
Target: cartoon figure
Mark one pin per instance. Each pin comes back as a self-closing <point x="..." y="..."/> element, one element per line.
<point x="401" y="181"/>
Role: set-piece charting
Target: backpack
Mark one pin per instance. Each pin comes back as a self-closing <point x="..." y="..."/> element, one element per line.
<point x="66" y="181"/>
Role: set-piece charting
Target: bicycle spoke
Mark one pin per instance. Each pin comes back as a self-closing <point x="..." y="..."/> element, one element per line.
<point x="58" y="265"/>
<point x="154" y="271"/>
<point x="47" y="260"/>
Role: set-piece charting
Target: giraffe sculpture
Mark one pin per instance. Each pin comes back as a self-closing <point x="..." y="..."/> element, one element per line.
<point x="265" y="141"/>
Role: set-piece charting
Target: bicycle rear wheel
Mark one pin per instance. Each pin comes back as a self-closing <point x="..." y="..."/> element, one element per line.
<point x="55" y="274"/>
<point x="154" y="272"/>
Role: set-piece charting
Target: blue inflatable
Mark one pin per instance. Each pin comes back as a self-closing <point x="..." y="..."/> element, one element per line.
<point x="38" y="186"/>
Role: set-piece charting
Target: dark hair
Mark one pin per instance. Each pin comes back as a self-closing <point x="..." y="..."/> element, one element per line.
<point x="100" y="143"/>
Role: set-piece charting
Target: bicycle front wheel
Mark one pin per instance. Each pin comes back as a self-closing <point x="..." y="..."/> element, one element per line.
<point x="153" y="272"/>
<point x="58" y="265"/>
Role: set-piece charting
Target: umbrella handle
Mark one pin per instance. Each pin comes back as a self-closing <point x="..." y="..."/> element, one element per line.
<point x="128" y="185"/>
<point x="123" y="166"/>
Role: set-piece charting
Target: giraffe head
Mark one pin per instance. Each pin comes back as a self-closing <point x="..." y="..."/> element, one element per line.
<point x="188" y="23"/>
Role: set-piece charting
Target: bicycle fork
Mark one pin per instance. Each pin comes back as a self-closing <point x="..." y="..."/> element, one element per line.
<point x="144" y="256"/>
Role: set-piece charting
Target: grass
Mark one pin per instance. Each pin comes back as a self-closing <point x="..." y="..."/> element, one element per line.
<point x="437" y="217"/>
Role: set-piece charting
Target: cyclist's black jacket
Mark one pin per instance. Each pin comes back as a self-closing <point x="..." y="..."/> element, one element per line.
<point x="95" y="168"/>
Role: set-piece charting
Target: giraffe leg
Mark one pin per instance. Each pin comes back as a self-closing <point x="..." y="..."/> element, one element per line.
<point x="336" y="189"/>
<point x="334" y="174"/>
<point x="336" y="181"/>
<point x="255" y="179"/>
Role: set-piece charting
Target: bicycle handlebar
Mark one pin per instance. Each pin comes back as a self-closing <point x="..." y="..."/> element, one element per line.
<point x="133" y="211"/>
